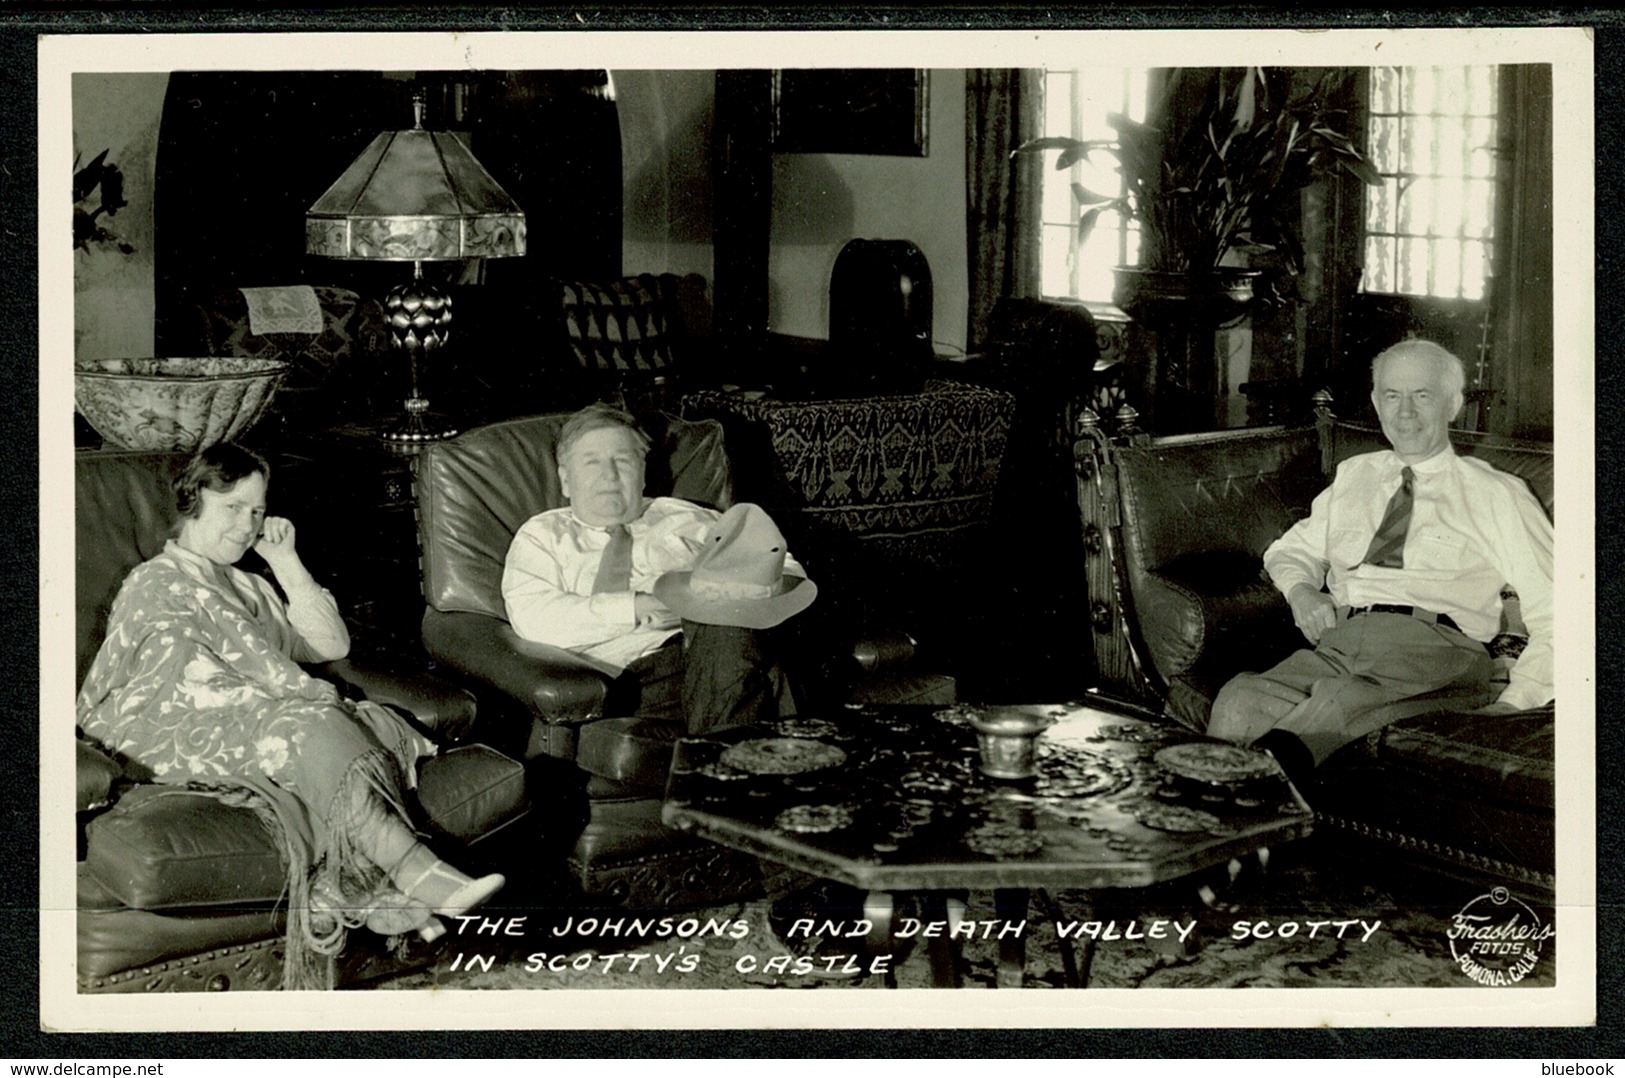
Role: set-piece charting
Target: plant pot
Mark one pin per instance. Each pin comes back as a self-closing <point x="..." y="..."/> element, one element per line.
<point x="1185" y="382"/>
<point x="1211" y="299"/>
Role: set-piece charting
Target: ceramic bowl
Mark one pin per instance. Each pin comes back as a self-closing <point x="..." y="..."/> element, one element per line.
<point x="173" y="403"/>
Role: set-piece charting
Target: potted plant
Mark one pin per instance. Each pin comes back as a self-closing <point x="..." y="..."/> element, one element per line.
<point x="1221" y="190"/>
<point x="1214" y="180"/>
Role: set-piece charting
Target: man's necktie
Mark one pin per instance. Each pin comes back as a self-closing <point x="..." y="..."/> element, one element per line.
<point x="1388" y="545"/>
<point x="615" y="570"/>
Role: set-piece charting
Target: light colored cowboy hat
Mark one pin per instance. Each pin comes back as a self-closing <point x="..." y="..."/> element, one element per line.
<point x="738" y="577"/>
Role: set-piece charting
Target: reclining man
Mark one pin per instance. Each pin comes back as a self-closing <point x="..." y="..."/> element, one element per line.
<point x="1414" y="545"/>
<point x="672" y="597"/>
<point x="669" y="598"/>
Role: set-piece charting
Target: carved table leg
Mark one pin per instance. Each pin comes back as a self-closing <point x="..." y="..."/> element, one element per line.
<point x="1087" y="958"/>
<point x="880" y="909"/>
<point x="1069" y="963"/>
<point x="1010" y="907"/>
<point x="943" y="948"/>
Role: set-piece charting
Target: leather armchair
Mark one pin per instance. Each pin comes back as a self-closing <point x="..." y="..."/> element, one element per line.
<point x="178" y="891"/>
<point x="473" y="494"/>
<point x="1174" y="529"/>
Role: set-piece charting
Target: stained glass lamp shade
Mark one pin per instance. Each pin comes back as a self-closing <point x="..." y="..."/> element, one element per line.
<point x="416" y="196"/>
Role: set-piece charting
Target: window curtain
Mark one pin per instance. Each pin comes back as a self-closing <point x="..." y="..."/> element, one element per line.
<point x="1522" y="360"/>
<point x="1002" y="110"/>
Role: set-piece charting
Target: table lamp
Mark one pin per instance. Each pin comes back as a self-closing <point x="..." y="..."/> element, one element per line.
<point x="416" y="196"/>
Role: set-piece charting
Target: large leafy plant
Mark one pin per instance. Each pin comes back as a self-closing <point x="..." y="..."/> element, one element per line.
<point x="1222" y="188"/>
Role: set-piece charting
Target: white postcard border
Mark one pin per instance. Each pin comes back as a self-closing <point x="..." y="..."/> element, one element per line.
<point x="1571" y="1002"/>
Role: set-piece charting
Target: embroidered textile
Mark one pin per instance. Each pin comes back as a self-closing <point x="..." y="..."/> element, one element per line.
<point x="287" y="309"/>
<point x="194" y="684"/>
<point x="351" y="329"/>
<point x="891" y="467"/>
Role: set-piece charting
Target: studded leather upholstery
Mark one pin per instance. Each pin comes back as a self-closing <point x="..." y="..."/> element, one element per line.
<point x="167" y="877"/>
<point x="1184" y="606"/>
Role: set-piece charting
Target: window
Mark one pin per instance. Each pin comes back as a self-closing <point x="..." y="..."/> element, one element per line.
<point x="1076" y="104"/>
<point x="1430" y="227"/>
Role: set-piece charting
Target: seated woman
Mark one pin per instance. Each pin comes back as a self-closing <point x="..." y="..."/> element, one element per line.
<point x="198" y="682"/>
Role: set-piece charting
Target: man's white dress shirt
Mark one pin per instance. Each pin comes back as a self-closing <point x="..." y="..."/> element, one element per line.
<point x="551" y="565"/>
<point x="1473" y="529"/>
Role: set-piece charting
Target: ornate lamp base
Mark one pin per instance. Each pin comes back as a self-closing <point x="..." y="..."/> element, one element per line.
<point x="419" y="428"/>
<point x="420" y="322"/>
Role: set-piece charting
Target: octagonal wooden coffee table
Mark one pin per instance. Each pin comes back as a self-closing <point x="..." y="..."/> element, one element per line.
<point x="892" y="801"/>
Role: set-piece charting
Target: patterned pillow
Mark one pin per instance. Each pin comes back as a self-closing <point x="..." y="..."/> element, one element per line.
<point x="351" y="327"/>
<point x="620" y="326"/>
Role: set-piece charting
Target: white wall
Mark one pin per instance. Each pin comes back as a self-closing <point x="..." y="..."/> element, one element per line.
<point x="113" y="292"/>
<point x="820" y="201"/>
<point x="667" y="123"/>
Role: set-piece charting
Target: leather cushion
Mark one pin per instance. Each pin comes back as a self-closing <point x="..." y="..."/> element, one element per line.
<point x="165" y="848"/>
<point x="1432" y="808"/>
<point x="636" y="751"/>
<point x="1190" y="701"/>
<point x="470" y="791"/>
<point x="1229" y="491"/>
<point x="627" y="830"/>
<point x="1207" y="603"/>
<point x="1489" y="757"/>
<point x="113" y="938"/>
<point x="446" y="710"/>
<point x="475" y="491"/>
<point x="1480" y="784"/>
<point x="893" y="688"/>
<point x="598" y="788"/>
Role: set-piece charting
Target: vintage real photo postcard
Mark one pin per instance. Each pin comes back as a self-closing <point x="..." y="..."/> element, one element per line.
<point x="814" y="529"/>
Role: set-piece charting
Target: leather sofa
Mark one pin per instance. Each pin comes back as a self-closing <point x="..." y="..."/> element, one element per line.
<point x="1174" y="528"/>
<point x="891" y="498"/>
<point x="343" y="371"/>
<point x="177" y="891"/>
<point x="473" y="493"/>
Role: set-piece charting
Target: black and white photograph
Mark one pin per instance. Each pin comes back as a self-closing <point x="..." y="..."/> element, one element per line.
<point x="812" y="529"/>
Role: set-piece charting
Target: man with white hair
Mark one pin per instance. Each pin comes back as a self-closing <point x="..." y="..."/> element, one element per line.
<point x="1395" y="579"/>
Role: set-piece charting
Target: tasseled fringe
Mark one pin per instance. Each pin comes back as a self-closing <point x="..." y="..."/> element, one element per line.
<point x="314" y="943"/>
<point x="308" y="959"/>
<point x="316" y="937"/>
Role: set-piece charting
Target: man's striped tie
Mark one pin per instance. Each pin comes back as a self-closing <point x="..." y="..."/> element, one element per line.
<point x="1388" y="545"/>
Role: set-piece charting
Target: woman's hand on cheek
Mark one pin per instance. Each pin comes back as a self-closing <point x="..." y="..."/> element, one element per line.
<point x="276" y="547"/>
<point x="276" y="540"/>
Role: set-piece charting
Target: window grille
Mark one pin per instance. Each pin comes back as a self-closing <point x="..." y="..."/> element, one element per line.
<point x="1430" y="227"/>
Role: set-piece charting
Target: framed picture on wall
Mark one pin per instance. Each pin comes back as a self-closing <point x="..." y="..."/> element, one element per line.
<point x="850" y="110"/>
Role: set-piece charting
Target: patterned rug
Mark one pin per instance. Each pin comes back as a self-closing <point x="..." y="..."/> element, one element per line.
<point x="1316" y="922"/>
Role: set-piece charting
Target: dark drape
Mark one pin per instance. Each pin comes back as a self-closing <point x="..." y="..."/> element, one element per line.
<point x="1002" y="110"/>
<point x="1521" y="367"/>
